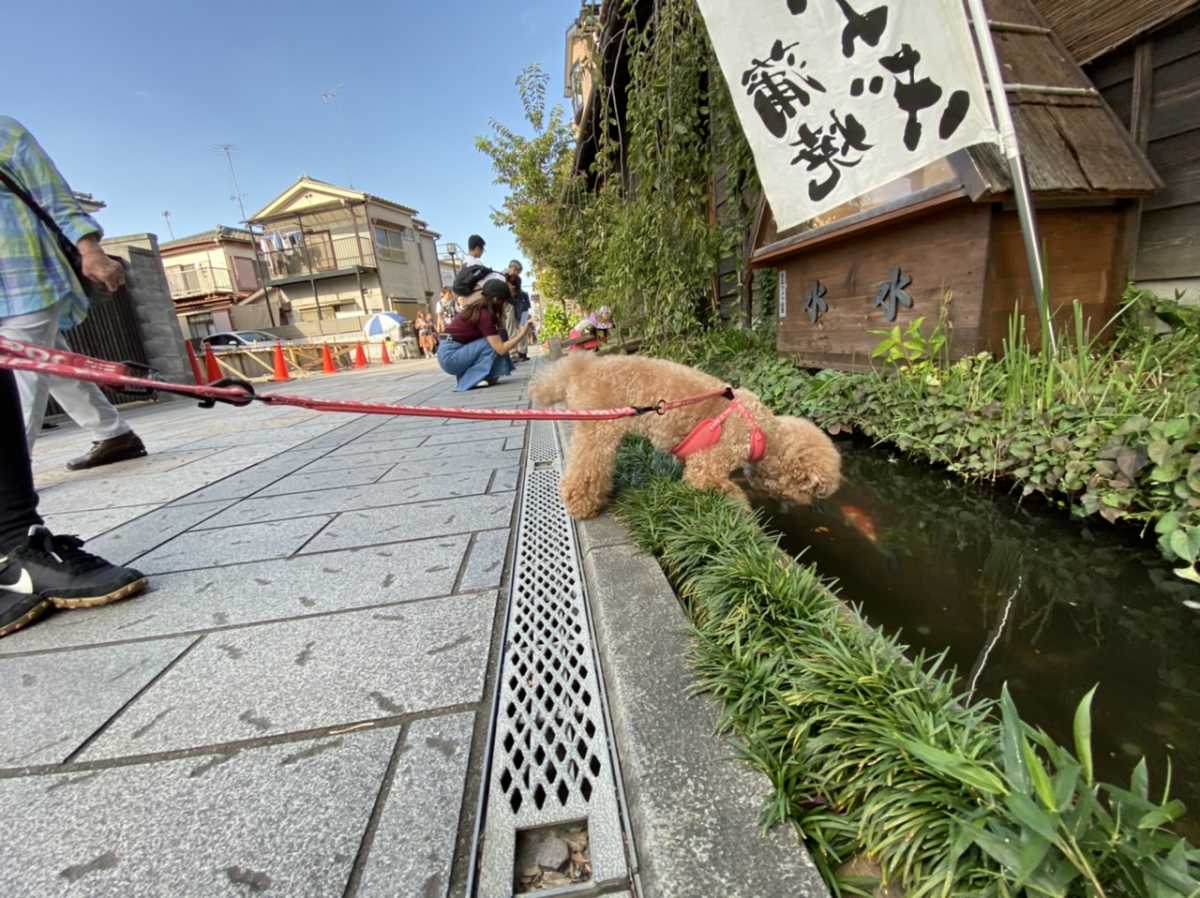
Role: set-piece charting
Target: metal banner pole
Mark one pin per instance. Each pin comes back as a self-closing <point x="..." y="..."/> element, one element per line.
<point x="1016" y="165"/>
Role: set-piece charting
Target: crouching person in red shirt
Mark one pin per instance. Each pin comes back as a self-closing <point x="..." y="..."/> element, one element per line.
<point x="473" y="350"/>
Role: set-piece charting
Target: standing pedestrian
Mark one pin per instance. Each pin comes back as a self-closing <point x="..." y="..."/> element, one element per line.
<point x="447" y="308"/>
<point x="426" y="334"/>
<point x="48" y="246"/>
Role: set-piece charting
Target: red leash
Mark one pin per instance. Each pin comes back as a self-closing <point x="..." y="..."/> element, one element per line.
<point x="133" y="378"/>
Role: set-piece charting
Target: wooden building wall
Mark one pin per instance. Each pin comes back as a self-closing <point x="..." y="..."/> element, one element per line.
<point x="945" y="251"/>
<point x="969" y="256"/>
<point x="1153" y="85"/>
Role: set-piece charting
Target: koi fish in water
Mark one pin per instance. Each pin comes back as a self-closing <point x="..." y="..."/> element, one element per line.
<point x="861" y="522"/>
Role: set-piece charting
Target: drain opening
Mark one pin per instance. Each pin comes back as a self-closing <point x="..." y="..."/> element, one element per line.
<point x="552" y="857"/>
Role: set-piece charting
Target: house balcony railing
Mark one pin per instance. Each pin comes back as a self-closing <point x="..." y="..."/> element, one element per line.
<point x="319" y="255"/>
<point x="185" y="282"/>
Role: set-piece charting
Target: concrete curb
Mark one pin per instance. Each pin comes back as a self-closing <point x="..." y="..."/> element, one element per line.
<point x="694" y="806"/>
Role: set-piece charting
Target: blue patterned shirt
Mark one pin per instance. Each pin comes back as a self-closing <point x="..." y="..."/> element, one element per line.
<point x="34" y="275"/>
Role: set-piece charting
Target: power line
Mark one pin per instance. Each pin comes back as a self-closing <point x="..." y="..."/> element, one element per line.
<point x="227" y="149"/>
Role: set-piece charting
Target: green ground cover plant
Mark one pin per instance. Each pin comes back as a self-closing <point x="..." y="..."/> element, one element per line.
<point x="1101" y="428"/>
<point x="875" y="755"/>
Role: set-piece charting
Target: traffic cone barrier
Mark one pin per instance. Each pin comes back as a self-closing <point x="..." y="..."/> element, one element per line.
<point x="197" y="375"/>
<point x="210" y="362"/>
<point x="327" y="364"/>
<point x="281" y="368"/>
<point x="360" y="357"/>
<point x="386" y="359"/>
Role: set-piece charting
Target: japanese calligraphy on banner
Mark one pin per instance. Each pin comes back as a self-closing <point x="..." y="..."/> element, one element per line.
<point x="839" y="97"/>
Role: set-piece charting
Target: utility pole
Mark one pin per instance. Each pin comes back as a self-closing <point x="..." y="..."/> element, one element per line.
<point x="167" y="219"/>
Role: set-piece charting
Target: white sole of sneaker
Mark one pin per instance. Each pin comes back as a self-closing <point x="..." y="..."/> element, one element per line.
<point x="117" y="595"/>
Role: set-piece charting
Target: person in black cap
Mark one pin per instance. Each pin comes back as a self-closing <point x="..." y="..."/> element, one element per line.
<point x="474" y="351"/>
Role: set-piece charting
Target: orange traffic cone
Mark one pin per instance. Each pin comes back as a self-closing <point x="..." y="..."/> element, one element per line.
<point x="281" y="369"/>
<point x="210" y="362"/>
<point x="386" y="359"/>
<point x="327" y="364"/>
<point x="197" y="375"/>
<point x="360" y="357"/>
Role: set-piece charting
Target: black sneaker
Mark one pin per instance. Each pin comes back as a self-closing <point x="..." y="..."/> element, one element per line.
<point x="67" y="576"/>
<point x="19" y="604"/>
<point x="106" y="452"/>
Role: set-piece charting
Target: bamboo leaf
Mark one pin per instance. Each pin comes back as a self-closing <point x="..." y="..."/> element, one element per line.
<point x="1038" y="775"/>
<point x="1083" y="735"/>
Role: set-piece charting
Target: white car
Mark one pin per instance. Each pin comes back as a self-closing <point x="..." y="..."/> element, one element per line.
<point x="230" y="339"/>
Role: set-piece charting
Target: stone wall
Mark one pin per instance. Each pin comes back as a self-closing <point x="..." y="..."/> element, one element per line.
<point x="152" y="304"/>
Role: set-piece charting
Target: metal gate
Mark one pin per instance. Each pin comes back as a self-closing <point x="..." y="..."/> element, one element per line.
<point x="109" y="332"/>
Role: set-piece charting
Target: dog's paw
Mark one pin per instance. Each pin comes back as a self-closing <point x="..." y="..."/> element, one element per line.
<point x="581" y="502"/>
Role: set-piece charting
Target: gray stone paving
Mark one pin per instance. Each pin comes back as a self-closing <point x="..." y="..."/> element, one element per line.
<point x="298" y="704"/>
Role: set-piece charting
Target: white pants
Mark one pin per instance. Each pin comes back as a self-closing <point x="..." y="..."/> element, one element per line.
<point x="81" y="400"/>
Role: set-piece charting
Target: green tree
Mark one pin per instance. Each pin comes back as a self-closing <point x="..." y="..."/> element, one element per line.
<point x="536" y="170"/>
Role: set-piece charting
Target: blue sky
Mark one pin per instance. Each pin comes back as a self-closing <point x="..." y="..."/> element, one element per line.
<point x="130" y="99"/>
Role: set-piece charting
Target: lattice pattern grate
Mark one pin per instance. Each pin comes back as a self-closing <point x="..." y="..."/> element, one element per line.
<point x="550" y="760"/>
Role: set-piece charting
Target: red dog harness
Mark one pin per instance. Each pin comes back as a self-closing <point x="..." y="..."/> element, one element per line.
<point x="707" y="434"/>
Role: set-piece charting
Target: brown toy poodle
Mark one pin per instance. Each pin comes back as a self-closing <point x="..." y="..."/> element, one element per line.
<point x="790" y="458"/>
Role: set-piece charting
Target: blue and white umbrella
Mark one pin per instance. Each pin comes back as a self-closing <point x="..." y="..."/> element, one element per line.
<point x="380" y="325"/>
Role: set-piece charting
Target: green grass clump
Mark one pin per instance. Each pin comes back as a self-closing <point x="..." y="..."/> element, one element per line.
<point x="873" y="754"/>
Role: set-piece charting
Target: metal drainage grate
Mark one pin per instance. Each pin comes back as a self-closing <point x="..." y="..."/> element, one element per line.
<point x="550" y="757"/>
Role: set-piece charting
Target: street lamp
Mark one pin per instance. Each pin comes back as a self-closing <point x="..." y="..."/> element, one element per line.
<point x="453" y="250"/>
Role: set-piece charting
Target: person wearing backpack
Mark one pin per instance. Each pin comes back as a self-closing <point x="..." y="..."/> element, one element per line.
<point x="48" y="248"/>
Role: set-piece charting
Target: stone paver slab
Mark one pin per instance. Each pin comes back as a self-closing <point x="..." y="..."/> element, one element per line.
<point x="378" y="455"/>
<point x="151" y="489"/>
<point x="462" y="435"/>
<point x="268" y="590"/>
<point x="486" y="564"/>
<point x="199" y="549"/>
<point x="248" y="480"/>
<point x="55" y="701"/>
<point x="384" y="525"/>
<point x="315" y="672"/>
<point x="281" y="820"/>
<point x="123" y="544"/>
<point x="89" y="524"/>
<point x="304" y="480"/>
<point x="506" y="479"/>
<point x="333" y="501"/>
<point x="428" y="467"/>
<point x="414" y="843"/>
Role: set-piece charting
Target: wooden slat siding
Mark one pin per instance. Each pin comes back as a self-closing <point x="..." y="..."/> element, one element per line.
<point x="1170" y="220"/>
<point x="1178" y="161"/>
<point x="1176" y="96"/>
<point x="1083" y="260"/>
<point x="942" y="251"/>
<point x="1170" y="244"/>
<point x="1091" y="28"/>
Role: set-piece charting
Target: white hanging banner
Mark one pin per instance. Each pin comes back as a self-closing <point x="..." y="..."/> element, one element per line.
<point x="839" y="97"/>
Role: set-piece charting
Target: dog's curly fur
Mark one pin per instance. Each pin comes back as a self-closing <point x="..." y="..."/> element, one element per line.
<point x="801" y="462"/>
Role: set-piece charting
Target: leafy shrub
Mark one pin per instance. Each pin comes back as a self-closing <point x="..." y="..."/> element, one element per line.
<point x="555" y="323"/>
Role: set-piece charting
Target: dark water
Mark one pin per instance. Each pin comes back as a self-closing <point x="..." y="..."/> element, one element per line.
<point x="1065" y="605"/>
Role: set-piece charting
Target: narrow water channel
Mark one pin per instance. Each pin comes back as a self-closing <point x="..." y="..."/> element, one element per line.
<point x="1062" y="605"/>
